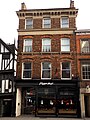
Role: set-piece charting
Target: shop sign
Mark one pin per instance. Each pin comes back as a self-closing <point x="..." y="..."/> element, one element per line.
<point x="46" y="83"/>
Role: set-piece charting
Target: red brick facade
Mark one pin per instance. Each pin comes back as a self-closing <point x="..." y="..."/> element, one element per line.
<point x="82" y="57"/>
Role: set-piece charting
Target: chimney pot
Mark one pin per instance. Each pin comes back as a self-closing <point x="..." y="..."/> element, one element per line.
<point x="71" y="4"/>
<point x="23" y="6"/>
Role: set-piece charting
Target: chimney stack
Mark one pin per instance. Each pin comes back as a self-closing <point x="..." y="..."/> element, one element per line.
<point x="23" y="6"/>
<point x="72" y="4"/>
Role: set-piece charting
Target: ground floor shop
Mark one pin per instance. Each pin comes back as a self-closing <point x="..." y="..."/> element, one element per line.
<point x="7" y="105"/>
<point x="85" y="102"/>
<point x="50" y="98"/>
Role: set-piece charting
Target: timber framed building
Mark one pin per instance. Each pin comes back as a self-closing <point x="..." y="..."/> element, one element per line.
<point x="7" y="84"/>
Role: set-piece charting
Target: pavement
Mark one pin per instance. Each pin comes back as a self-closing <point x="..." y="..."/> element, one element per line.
<point x="27" y="117"/>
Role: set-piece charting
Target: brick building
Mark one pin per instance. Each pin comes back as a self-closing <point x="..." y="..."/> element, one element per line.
<point x="83" y="63"/>
<point x="47" y="78"/>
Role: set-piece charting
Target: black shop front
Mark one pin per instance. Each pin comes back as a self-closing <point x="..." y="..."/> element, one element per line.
<point x="50" y="98"/>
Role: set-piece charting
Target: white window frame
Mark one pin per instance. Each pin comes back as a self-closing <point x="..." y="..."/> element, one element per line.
<point x="46" y="69"/>
<point x="29" y="46"/>
<point x="85" y="49"/>
<point x="64" y="24"/>
<point x="27" y="70"/>
<point x="46" y="24"/>
<point x="66" y="69"/>
<point x="28" y="25"/>
<point x="65" y="45"/>
<point x="86" y="65"/>
<point x="43" y="45"/>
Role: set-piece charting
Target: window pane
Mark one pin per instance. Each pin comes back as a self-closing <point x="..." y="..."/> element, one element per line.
<point x="46" y="41"/>
<point x="65" y="41"/>
<point x="28" y="42"/>
<point x="65" y="48"/>
<point x="65" y="65"/>
<point x="66" y="74"/>
<point x="27" y="65"/>
<point x="46" y="74"/>
<point x="26" y="74"/>
<point x="46" y="65"/>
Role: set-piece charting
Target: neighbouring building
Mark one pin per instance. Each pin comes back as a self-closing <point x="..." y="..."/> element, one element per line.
<point x="7" y="84"/>
<point x="83" y="67"/>
<point x="47" y="81"/>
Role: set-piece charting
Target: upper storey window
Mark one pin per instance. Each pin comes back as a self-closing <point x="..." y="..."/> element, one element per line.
<point x="64" y="22"/>
<point x="27" y="45"/>
<point x="86" y="71"/>
<point x="66" y="70"/>
<point x="26" y="70"/>
<point x="46" y="23"/>
<point x="29" y="23"/>
<point x="46" y="70"/>
<point x="65" y="45"/>
<point x="46" y="44"/>
<point x="85" y="46"/>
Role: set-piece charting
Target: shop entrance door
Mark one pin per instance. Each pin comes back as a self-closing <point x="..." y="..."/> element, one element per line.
<point x="87" y="105"/>
<point x="46" y="101"/>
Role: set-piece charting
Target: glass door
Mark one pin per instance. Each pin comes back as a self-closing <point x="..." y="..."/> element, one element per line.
<point x="30" y="100"/>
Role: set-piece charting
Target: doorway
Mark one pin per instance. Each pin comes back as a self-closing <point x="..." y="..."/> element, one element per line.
<point x="87" y="105"/>
<point x="7" y="108"/>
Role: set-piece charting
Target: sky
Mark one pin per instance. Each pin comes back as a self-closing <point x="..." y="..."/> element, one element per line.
<point x="9" y="20"/>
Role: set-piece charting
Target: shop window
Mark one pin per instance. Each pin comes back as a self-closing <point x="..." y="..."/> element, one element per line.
<point x="65" y="45"/>
<point x="27" y="45"/>
<point x="26" y="70"/>
<point x="29" y="23"/>
<point x="85" y="46"/>
<point x="86" y="71"/>
<point x="46" y="23"/>
<point x="64" y="22"/>
<point x="66" y="70"/>
<point x="46" y="70"/>
<point x="46" y="45"/>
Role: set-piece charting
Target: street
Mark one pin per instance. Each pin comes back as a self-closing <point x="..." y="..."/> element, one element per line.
<point x="27" y="117"/>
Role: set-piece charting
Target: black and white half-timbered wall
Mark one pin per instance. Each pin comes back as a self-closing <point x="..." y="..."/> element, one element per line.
<point x="7" y="75"/>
